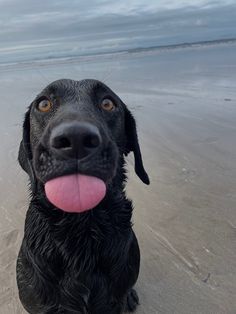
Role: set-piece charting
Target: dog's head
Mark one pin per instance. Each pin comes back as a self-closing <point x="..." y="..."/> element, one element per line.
<point x="78" y="127"/>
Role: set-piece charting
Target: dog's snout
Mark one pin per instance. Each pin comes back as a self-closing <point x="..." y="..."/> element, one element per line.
<point x="75" y="139"/>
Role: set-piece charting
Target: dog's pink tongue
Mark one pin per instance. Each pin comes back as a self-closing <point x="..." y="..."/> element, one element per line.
<point x="75" y="193"/>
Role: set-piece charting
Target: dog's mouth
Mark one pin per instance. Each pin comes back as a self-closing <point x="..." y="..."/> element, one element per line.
<point x="76" y="185"/>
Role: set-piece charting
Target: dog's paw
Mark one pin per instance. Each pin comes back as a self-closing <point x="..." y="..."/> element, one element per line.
<point x="132" y="301"/>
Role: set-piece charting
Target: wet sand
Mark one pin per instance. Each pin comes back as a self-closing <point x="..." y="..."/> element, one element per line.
<point x="185" y="105"/>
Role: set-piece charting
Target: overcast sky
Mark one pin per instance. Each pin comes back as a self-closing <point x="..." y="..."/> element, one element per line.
<point x="31" y="29"/>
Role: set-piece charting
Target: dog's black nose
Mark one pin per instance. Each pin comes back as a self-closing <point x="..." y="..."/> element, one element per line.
<point x="75" y="139"/>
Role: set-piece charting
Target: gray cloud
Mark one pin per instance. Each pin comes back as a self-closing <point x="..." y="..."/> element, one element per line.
<point x="30" y="29"/>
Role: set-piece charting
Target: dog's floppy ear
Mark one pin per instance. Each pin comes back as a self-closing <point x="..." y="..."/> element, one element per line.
<point x="132" y="144"/>
<point x="25" y="153"/>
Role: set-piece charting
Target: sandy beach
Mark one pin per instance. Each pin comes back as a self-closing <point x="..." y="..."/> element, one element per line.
<point x="184" y="101"/>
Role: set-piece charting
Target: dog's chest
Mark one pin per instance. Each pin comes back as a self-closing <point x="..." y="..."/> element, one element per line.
<point x="88" y="251"/>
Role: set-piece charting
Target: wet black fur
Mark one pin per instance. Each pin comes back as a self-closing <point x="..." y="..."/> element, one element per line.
<point x="79" y="263"/>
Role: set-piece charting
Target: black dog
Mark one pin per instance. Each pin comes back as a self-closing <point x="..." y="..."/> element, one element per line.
<point x="79" y="262"/>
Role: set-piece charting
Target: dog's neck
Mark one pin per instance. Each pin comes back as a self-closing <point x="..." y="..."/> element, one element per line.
<point x="72" y="237"/>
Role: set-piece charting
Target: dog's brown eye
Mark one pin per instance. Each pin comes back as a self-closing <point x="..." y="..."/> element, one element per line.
<point x="44" y="105"/>
<point x="107" y="104"/>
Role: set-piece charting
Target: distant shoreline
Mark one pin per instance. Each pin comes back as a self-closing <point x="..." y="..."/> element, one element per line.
<point x="185" y="45"/>
<point x="110" y="55"/>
